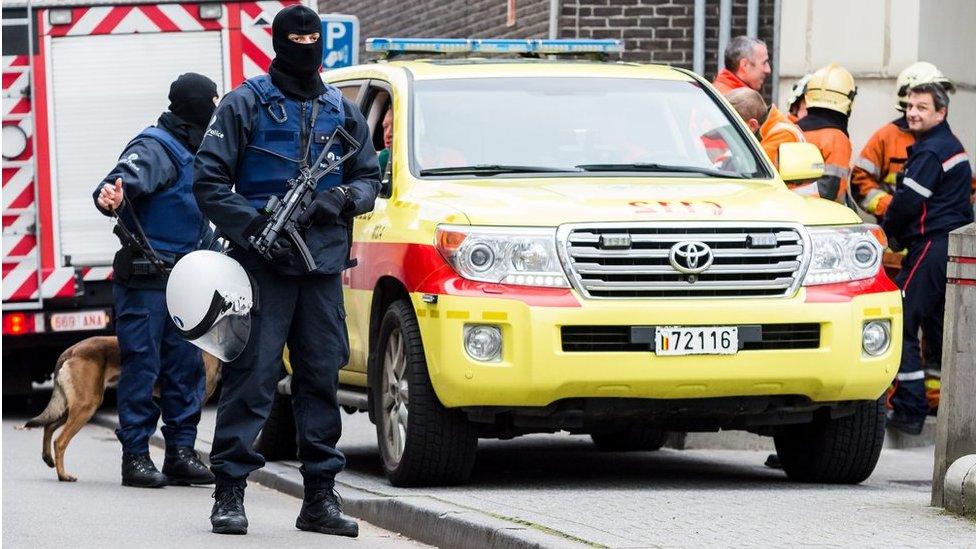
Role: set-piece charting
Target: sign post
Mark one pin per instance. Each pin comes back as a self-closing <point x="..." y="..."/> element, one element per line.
<point x="340" y="36"/>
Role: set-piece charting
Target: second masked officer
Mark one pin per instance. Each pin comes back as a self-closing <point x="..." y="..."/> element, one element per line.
<point x="261" y="135"/>
<point x="150" y="189"/>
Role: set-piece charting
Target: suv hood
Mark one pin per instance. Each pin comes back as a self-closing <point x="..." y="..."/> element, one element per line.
<point x="553" y="201"/>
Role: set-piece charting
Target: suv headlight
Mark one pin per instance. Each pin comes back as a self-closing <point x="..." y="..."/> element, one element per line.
<point x="506" y="255"/>
<point x="844" y="253"/>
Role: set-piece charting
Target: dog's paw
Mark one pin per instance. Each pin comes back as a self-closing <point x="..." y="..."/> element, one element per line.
<point x="48" y="460"/>
<point x="67" y="478"/>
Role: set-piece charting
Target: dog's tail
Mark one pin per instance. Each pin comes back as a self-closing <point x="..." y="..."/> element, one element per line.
<point x="58" y="405"/>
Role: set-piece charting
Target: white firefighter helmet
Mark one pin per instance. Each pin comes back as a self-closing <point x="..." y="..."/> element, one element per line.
<point x="831" y="87"/>
<point x="917" y="74"/>
<point x="799" y="88"/>
<point x="209" y="297"/>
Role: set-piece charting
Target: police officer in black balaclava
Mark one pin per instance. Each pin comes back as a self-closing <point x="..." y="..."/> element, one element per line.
<point x="156" y="173"/>
<point x="262" y="134"/>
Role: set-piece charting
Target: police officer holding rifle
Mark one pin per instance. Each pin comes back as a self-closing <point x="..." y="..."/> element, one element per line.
<point x="271" y="137"/>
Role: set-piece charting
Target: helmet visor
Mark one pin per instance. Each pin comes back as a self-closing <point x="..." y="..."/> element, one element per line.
<point x="227" y="338"/>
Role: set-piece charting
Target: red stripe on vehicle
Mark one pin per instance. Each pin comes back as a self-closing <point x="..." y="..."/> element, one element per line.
<point x="22" y="107"/>
<point x="8" y="173"/>
<point x="25" y="246"/>
<point x="68" y="290"/>
<point x="208" y="24"/>
<point x="845" y="291"/>
<point x="421" y="268"/>
<point x="9" y="220"/>
<point x="159" y="19"/>
<point x="256" y="54"/>
<point x="9" y="78"/>
<point x="234" y="43"/>
<point x="63" y="30"/>
<point x="24" y="199"/>
<point x="26" y="290"/>
<point x="962" y="281"/>
<point x="112" y="20"/>
<point x="252" y="9"/>
<point x="45" y="206"/>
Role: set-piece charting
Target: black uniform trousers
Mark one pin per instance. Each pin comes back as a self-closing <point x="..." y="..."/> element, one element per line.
<point x="306" y="312"/>
<point x="923" y="282"/>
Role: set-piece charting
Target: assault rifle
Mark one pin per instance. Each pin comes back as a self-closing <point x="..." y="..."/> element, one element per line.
<point x="283" y="213"/>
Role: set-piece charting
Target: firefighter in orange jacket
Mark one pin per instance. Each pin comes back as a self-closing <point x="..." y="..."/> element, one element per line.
<point x="746" y="65"/>
<point x="771" y="126"/>
<point x="883" y="156"/>
<point x="829" y="97"/>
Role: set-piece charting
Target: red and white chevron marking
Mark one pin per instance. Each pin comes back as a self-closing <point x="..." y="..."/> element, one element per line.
<point x="87" y="21"/>
<point x="16" y="81"/>
<point x="20" y="282"/>
<point x="256" y="20"/>
<point x="20" y="276"/>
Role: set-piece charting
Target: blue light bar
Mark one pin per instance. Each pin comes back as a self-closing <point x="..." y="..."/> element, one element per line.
<point x="465" y="45"/>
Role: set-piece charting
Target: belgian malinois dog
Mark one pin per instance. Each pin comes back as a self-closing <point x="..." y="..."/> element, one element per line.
<point x="81" y="375"/>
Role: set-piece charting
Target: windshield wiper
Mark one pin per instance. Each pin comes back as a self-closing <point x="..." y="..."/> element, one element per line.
<point x="654" y="167"/>
<point x="492" y="169"/>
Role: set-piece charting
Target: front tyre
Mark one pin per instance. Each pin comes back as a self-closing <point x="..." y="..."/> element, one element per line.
<point x="844" y="450"/>
<point x="421" y="442"/>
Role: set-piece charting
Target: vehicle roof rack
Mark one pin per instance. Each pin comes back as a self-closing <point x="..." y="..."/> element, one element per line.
<point x="390" y="48"/>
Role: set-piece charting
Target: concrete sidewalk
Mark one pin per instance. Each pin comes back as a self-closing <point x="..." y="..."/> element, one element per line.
<point x="557" y="490"/>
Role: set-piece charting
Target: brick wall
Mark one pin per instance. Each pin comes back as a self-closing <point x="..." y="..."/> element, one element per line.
<point x="658" y="31"/>
<point x="654" y="31"/>
<point x="444" y="18"/>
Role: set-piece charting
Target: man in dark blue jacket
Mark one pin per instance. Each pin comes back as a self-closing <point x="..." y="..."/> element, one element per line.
<point x="157" y="206"/>
<point x="263" y="133"/>
<point x="931" y="199"/>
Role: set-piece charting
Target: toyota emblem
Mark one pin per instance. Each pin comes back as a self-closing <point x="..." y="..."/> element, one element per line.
<point x="690" y="256"/>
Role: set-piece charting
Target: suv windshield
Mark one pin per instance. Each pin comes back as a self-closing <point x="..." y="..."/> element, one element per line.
<point x="494" y="126"/>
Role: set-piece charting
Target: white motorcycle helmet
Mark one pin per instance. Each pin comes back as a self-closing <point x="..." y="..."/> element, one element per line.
<point x="209" y="297"/>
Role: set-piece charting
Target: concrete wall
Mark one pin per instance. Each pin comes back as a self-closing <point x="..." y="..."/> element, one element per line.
<point x="875" y="40"/>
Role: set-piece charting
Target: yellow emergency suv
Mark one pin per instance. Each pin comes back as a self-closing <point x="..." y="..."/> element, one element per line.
<point x="568" y="244"/>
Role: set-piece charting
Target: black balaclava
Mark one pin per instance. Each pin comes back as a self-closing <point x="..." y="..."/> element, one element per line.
<point x="191" y="105"/>
<point x="295" y="69"/>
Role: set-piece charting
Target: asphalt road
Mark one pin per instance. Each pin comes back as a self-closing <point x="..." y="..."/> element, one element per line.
<point x="97" y="512"/>
<point x="558" y="484"/>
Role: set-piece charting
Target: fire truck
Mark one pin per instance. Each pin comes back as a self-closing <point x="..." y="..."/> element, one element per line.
<point x="80" y="79"/>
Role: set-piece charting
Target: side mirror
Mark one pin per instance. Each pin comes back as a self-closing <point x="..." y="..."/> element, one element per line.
<point x="800" y="161"/>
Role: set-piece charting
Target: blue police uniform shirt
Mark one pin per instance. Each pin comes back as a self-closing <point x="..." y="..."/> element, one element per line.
<point x="157" y="181"/>
<point x="254" y="146"/>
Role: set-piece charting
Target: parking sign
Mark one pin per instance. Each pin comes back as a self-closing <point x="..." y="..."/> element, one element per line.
<point x="341" y="36"/>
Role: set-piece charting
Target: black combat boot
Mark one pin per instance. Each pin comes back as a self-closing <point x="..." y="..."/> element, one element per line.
<point x="138" y="470"/>
<point x="322" y="513"/>
<point x="183" y="467"/>
<point x="228" y="515"/>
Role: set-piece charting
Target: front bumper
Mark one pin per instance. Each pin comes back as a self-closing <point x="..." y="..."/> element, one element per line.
<point x="535" y="371"/>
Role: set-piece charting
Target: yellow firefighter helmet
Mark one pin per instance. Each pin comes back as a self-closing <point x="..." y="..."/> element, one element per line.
<point x="798" y="90"/>
<point x="917" y="74"/>
<point x="831" y="87"/>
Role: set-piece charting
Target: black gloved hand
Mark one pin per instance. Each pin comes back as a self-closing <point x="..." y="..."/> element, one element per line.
<point x="325" y="209"/>
<point x="255" y="226"/>
<point x="281" y="250"/>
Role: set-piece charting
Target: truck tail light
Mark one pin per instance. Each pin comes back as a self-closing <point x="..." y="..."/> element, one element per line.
<point x="22" y="323"/>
